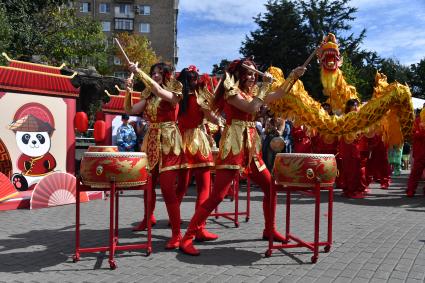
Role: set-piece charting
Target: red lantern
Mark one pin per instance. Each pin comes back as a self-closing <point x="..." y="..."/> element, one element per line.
<point x="100" y="115"/>
<point x="99" y="131"/>
<point x="81" y="122"/>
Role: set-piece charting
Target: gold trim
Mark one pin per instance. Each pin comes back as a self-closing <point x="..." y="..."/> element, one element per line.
<point x="114" y="154"/>
<point x="123" y="90"/>
<point x="303" y="185"/>
<point x="198" y="165"/>
<point x="30" y="63"/>
<point x="175" y="167"/>
<point x="38" y="72"/>
<point x="103" y="185"/>
<point x="311" y="155"/>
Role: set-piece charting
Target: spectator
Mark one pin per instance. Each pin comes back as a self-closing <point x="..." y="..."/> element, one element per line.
<point x="126" y="136"/>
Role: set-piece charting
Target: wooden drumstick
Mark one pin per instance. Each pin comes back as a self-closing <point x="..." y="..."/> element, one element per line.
<point x="122" y="50"/>
<point x="311" y="56"/>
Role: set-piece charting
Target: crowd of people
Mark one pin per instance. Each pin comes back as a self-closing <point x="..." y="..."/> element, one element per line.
<point x="174" y="133"/>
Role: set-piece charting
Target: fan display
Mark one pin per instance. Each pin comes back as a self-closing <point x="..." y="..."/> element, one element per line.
<point x="7" y="190"/>
<point x="56" y="189"/>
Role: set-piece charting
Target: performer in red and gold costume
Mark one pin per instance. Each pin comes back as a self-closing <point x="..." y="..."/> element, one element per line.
<point x="353" y="169"/>
<point x="378" y="166"/>
<point x="163" y="142"/>
<point x="240" y="145"/>
<point x="192" y="111"/>
<point x="418" y="154"/>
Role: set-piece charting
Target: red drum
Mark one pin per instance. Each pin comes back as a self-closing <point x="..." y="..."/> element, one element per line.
<point x="304" y="169"/>
<point x="103" y="148"/>
<point x="127" y="169"/>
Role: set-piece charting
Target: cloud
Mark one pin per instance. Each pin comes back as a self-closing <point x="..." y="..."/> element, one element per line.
<point x="224" y="11"/>
<point x="206" y="49"/>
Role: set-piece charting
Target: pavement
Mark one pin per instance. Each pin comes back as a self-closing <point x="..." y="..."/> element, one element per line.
<point x="377" y="239"/>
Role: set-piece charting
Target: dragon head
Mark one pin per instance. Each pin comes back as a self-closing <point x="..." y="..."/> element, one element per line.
<point x="328" y="54"/>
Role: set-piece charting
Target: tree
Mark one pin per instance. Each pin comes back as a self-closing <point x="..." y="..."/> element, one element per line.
<point x="138" y="49"/>
<point x="78" y="41"/>
<point x="219" y="69"/>
<point x="290" y="30"/>
<point x="417" y="79"/>
<point x="26" y="36"/>
<point x="281" y="39"/>
<point x="5" y="32"/>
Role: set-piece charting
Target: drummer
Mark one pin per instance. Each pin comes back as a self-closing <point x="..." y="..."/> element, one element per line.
<point x="240" y="145"/>
<point x="193" y="109"/>
<point x="162" y="142"/>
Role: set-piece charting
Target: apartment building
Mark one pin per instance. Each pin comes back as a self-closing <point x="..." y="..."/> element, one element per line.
<point x="155" y="19"/>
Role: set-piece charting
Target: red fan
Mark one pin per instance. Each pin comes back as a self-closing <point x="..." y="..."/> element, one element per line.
<point x="7" y="190"/>
<point x="55" y="189"/>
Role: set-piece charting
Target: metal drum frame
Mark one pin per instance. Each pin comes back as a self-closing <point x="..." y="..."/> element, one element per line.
<point x="318" y="173"/>
<point x="113" y="222"/>
<point x="292" y="241"/>
<point x="234" y="215"/>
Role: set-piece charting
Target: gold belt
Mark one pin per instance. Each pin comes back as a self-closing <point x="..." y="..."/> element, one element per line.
<point x="159" y="125"/>
<point x="249" y="124"/>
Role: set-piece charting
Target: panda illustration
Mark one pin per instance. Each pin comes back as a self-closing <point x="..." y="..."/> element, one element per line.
<point x="33" y="140"/>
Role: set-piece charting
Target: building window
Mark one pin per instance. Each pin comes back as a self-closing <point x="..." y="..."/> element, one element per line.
<point x="123" y="24"/>
<point x="145" y="28"/>
<point x="106" y="26"/>
<point x="122" y="75"/>
<point x="85" y="7"/>
<point x="124" y="9"/>
<point x="143" y="10"/>
<point x="117" y="60"/>
<point x="104" y="8"/>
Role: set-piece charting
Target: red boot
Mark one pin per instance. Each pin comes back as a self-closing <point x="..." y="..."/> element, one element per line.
<point x="186" y="244"/>
<point x="269" y="219"/>
<point x="203" y="235"/>
<point x="174" y="242"/>
<point x="144" y="224"/>
<point x="173" y="210"/>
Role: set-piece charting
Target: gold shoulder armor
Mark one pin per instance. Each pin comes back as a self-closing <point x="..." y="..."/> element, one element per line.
<point x="204" y="98"/>
<point x="231" y="87"/>
<point x="174" y="86"/>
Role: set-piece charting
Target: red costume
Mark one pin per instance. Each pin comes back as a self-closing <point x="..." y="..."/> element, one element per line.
<point x="353" y="173"/>
<point x="302" y="142"/>
<point x="36" y="166"/>
<point x="199" y="157"/>
<point x="164" y="149"/>
<point x="418" y="155"/>
<point x="239" y="150"/>
<point x="378" y="166"/>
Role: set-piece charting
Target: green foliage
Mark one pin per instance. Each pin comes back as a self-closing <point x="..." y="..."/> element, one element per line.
<point x="55" y="33"/>
<point x="281" y="39"/>
<point x="5" y="33"/>
<point x="138" y="49"/>
<point x="79" y="41"/>
<point x="417" y="79"/>
<point x="219" y="69"/>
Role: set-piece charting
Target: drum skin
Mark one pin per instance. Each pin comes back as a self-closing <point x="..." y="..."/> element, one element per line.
<point x="277" y="144"/>
<point x="305" y="169"/>
<point x="102" y="148"/>
<point x="127" y="169"/>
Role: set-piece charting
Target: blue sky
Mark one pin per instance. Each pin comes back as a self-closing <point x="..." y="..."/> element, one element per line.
<point x="211" y="30"/>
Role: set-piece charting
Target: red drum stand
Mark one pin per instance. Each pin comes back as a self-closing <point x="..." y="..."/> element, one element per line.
<point x="293" y="241"/>
<point x="113" y="246"/>
<point x="234" y="215"/>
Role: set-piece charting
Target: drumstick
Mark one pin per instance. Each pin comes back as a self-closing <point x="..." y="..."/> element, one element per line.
<point x="122" y="50"/>
<point x="311" y="56"/>
<point x="132" y="74"/>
